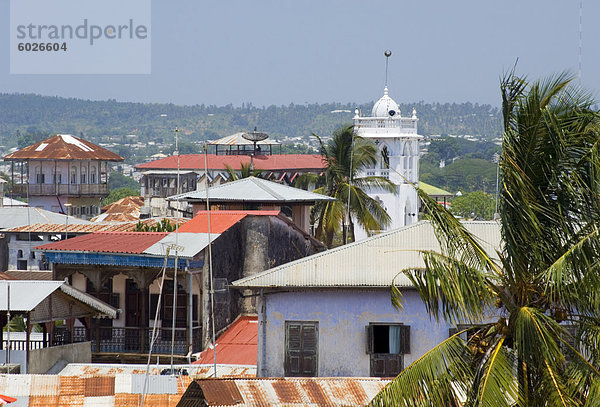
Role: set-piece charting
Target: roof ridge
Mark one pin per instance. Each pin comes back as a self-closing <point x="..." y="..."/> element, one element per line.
<point x="257" y="181"/>
<point x="327" y="252"/>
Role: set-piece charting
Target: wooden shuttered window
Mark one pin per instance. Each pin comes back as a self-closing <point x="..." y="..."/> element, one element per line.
<point x="386" y="365"/>
<point x="386" y="344"/>
<point x="301" y="348"/>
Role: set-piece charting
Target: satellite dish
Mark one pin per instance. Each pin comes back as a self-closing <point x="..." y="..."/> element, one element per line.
<point x="255" y="136"/>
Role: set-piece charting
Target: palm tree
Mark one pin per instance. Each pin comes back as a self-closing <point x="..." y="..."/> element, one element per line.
<point x="245" y="172"/>
<point x="541" y="344"/>
<point x="346" y="156"/>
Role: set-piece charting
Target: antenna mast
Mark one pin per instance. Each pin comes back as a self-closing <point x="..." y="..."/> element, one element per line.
<point x="387" y="54"/>
<point x="580" y="37"/>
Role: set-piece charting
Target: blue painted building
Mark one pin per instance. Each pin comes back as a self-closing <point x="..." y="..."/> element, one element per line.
<point x="330" y="314"/>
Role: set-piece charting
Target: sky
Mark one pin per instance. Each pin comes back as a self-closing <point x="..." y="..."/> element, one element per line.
<point x="280" y="52"/>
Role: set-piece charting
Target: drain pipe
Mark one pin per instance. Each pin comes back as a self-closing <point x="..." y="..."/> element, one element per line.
<point x="263" y="322"/>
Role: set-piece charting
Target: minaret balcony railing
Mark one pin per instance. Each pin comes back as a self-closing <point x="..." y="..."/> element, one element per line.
<point x="378" y="173"/>
<point x="386" y="125"/>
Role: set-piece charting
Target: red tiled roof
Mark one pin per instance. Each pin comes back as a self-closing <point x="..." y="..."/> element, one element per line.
<point x="108" y="242"/>
<point x="237" y="345"/>
<point x="273" y="162"/>
<point x="220" y="221"/>
<point x="64" y="147"/>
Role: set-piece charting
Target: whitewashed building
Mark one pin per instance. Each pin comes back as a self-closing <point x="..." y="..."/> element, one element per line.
<point x="398" y="142"/>
<point x="63" y="174"/>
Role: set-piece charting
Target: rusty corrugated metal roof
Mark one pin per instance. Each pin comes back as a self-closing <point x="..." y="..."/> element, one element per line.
<point x="275" y="162"/>
<point x="124" y="210"/>
<point x="99" y="386"/>
<point x="62" y="391"/>
<point x="108" y="242"/>
<point x="129" y="226"/>
<point x="64" y="147"/>
<point x="197" y="371"/>
<point x="26" y="275"/>
<point x="313" y="391"/>
<point x="237" y="345"/>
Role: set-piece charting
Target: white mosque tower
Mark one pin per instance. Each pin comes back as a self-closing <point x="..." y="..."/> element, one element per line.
<point x="398" y="143"/>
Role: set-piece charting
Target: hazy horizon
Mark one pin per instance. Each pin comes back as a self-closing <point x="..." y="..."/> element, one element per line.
<point x="281" y="52"/>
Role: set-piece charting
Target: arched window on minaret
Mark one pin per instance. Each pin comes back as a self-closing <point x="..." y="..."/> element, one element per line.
<point x="406" y="159"/>
<point x="385" y="156"/>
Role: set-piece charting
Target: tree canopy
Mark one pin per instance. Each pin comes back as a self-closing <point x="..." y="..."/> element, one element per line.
<point x="536" y="338"/>
<point x="346" y="155"/>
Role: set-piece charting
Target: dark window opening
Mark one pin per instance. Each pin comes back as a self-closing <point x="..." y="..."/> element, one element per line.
<point x="21" y="264"/>
<point x="387" y="344"/>
<point x="167" y="306"/>
<point x="105" y="293"/>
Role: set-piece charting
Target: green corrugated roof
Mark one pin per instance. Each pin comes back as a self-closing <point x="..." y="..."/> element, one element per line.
<point x="433" y="191"/>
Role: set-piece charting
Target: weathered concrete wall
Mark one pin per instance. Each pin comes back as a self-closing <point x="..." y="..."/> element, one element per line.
<point x="228" y="262"/>
<point x="342" y="316"/>
<point x="255" y="244"/>
<point x="17" y="357"/>
<point x="41" y="360"/>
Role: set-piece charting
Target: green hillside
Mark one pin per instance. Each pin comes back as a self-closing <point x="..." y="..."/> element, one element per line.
<point x="36" y="116"/>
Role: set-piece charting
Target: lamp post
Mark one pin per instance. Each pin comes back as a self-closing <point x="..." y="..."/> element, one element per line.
<point x="67" y="205"/>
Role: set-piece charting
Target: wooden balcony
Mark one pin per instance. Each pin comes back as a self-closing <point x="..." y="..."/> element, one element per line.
<point x="91" y="190"/>
<point x="130" y="340"/>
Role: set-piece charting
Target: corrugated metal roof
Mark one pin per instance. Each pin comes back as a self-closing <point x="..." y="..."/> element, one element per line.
<point x="275" y="162"/>
<point x="21" y="216"/>
<point x="307" y="391"/>
<point x="169" y="172"/>
<point x="25" y="295"/>
<point x="237" y="140"/>
<point x="124" y="210"/>
<point x="121" y="370"/>
<point x="6" y="201"/>
<point x="64" y="147"/>
<point x="61" y="391"/>
<point x="157" y="384"/>
<point x="237" y="345"/>
<point x="108" y="242"/>
<point x="27" y="275"/>
<point x="192" y="243"/>
<point x="100" y="306"/>
<point x="90" y="227"/>
<point x="373" y="262"/>
<point x="433" y="190"/>
<point x="220" y="221"/>
<point x="253" y="189"/>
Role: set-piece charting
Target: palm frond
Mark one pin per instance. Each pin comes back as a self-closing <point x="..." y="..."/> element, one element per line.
<point x="497" y="384"/>
<point x="448" y="286"/>
<point x="441" y="377"/>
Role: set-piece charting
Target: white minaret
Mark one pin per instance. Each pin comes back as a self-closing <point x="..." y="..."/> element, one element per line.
<point x="398" y="143"/>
